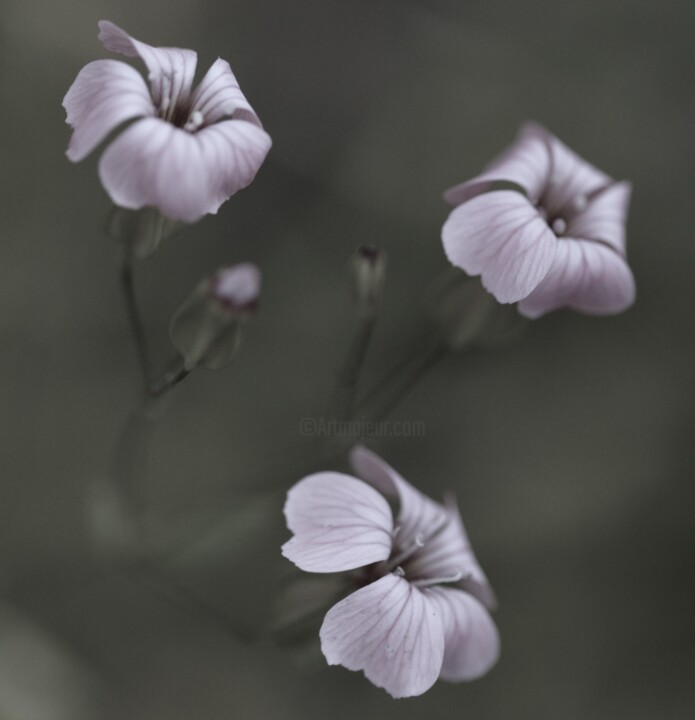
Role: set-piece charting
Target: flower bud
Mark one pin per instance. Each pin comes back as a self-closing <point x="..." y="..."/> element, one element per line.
<point x="207" y="328"/>
<point x="469" y="316"/>
<point x="369" y="270"/>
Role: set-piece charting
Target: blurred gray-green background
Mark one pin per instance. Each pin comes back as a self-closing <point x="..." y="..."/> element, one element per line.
<point x="571" y="453"/>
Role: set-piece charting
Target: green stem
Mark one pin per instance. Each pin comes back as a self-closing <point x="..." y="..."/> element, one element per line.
<point x="130" y="471"/>
<point x="349" y="374"/>
<point x="134" y="319"/>
<point x="170" y="379"/>
<point x="166" y="588"/>
<point x="393" y="389"/>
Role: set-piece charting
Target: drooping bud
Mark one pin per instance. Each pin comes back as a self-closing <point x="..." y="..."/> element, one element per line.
<point x="467" y="315"/>
<point x="141" y="230"/>
<point x="369" y="271"/>
<point x="207" y="328"/>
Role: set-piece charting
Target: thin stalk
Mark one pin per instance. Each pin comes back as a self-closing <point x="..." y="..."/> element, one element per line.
<point x="351" y="370"/>
<point x="390" y="392"/>
<point x="134" y="319"/>
<point x="168" y="589"/>
<point x="130" y="471"/>
<point x="170" y="379"/>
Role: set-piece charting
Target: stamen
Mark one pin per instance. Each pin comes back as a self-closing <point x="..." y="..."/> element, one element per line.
<point x="559" y="226"/>
<point x="167" y="103"/>
<point x="399" y="572"/>
<point x="427" y="582"/>
<point x="166" y="92"/>
<point x="580" y="203"/>
<point x="418" y="542"/>
<point x="194" y="121"/>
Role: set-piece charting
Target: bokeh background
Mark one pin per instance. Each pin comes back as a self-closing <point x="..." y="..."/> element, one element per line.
<point x="571" y="452"/>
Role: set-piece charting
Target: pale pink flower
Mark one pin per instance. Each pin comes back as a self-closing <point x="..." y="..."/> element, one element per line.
<point x="188" y="150"/>
<point x="555" y="239"/>
<point x="420" y="611"/>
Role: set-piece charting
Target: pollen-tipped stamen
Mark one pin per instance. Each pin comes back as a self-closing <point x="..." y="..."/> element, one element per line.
<point x="559" y="226"/>
<point x="427" y="582"/>
<point x="168" y="101"/>
<point x="418" y="542"/>
<point x="194" y="121"/>
<point x="580" y="203"/>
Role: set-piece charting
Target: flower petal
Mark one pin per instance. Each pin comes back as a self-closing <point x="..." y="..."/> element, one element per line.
<point x="604" y="218"/>
<point x="471" y="640"/>
<point x="572" y="179"/>
<point x="105" y="94"/>
<point x="185" y="175"/>
<point x="339" y="522"/>
<point x="526" y="163"/>
<point x="232" y="151"/>
<point x="218" y="95"/>
<point x="450" y="551"/>
<point x="447" y="549"/>
<point x="586" y="276"/>
<point x="417" y="514"/>
<point x="501" y="237"/>
<point x="171" y="70"/>
<point x="391" y="631"/>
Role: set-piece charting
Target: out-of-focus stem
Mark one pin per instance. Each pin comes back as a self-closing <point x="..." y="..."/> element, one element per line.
<point x="165" y="587"/>
<point x="393" y="389"/>
<point x="130" y="472"/>
<point x="349" y="374"/>
<point x="134" y="320"/>
<point x="170" y="379"/>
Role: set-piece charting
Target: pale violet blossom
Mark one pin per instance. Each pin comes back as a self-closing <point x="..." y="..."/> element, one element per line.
<point x="420" y="608"/>
<point x="544" y="228"/>
<point x="187" y="151"/>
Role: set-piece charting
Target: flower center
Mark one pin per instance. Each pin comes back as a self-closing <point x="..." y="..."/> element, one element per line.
<point x="558" y="226"/>
<point x="173" y="108"/>
<point x="400" y="557"/>
<point x="404" y="563"/>
<point x="195" y="120"/>
<point x="555" y="222"/>
<point x="410" y="560"/>
<point x="559" y="218"/>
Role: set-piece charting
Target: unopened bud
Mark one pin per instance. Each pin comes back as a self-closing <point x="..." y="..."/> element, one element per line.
<point x="369" y="271"/>
<point x="236" y="288"/>
<point x="207" y="328"/>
